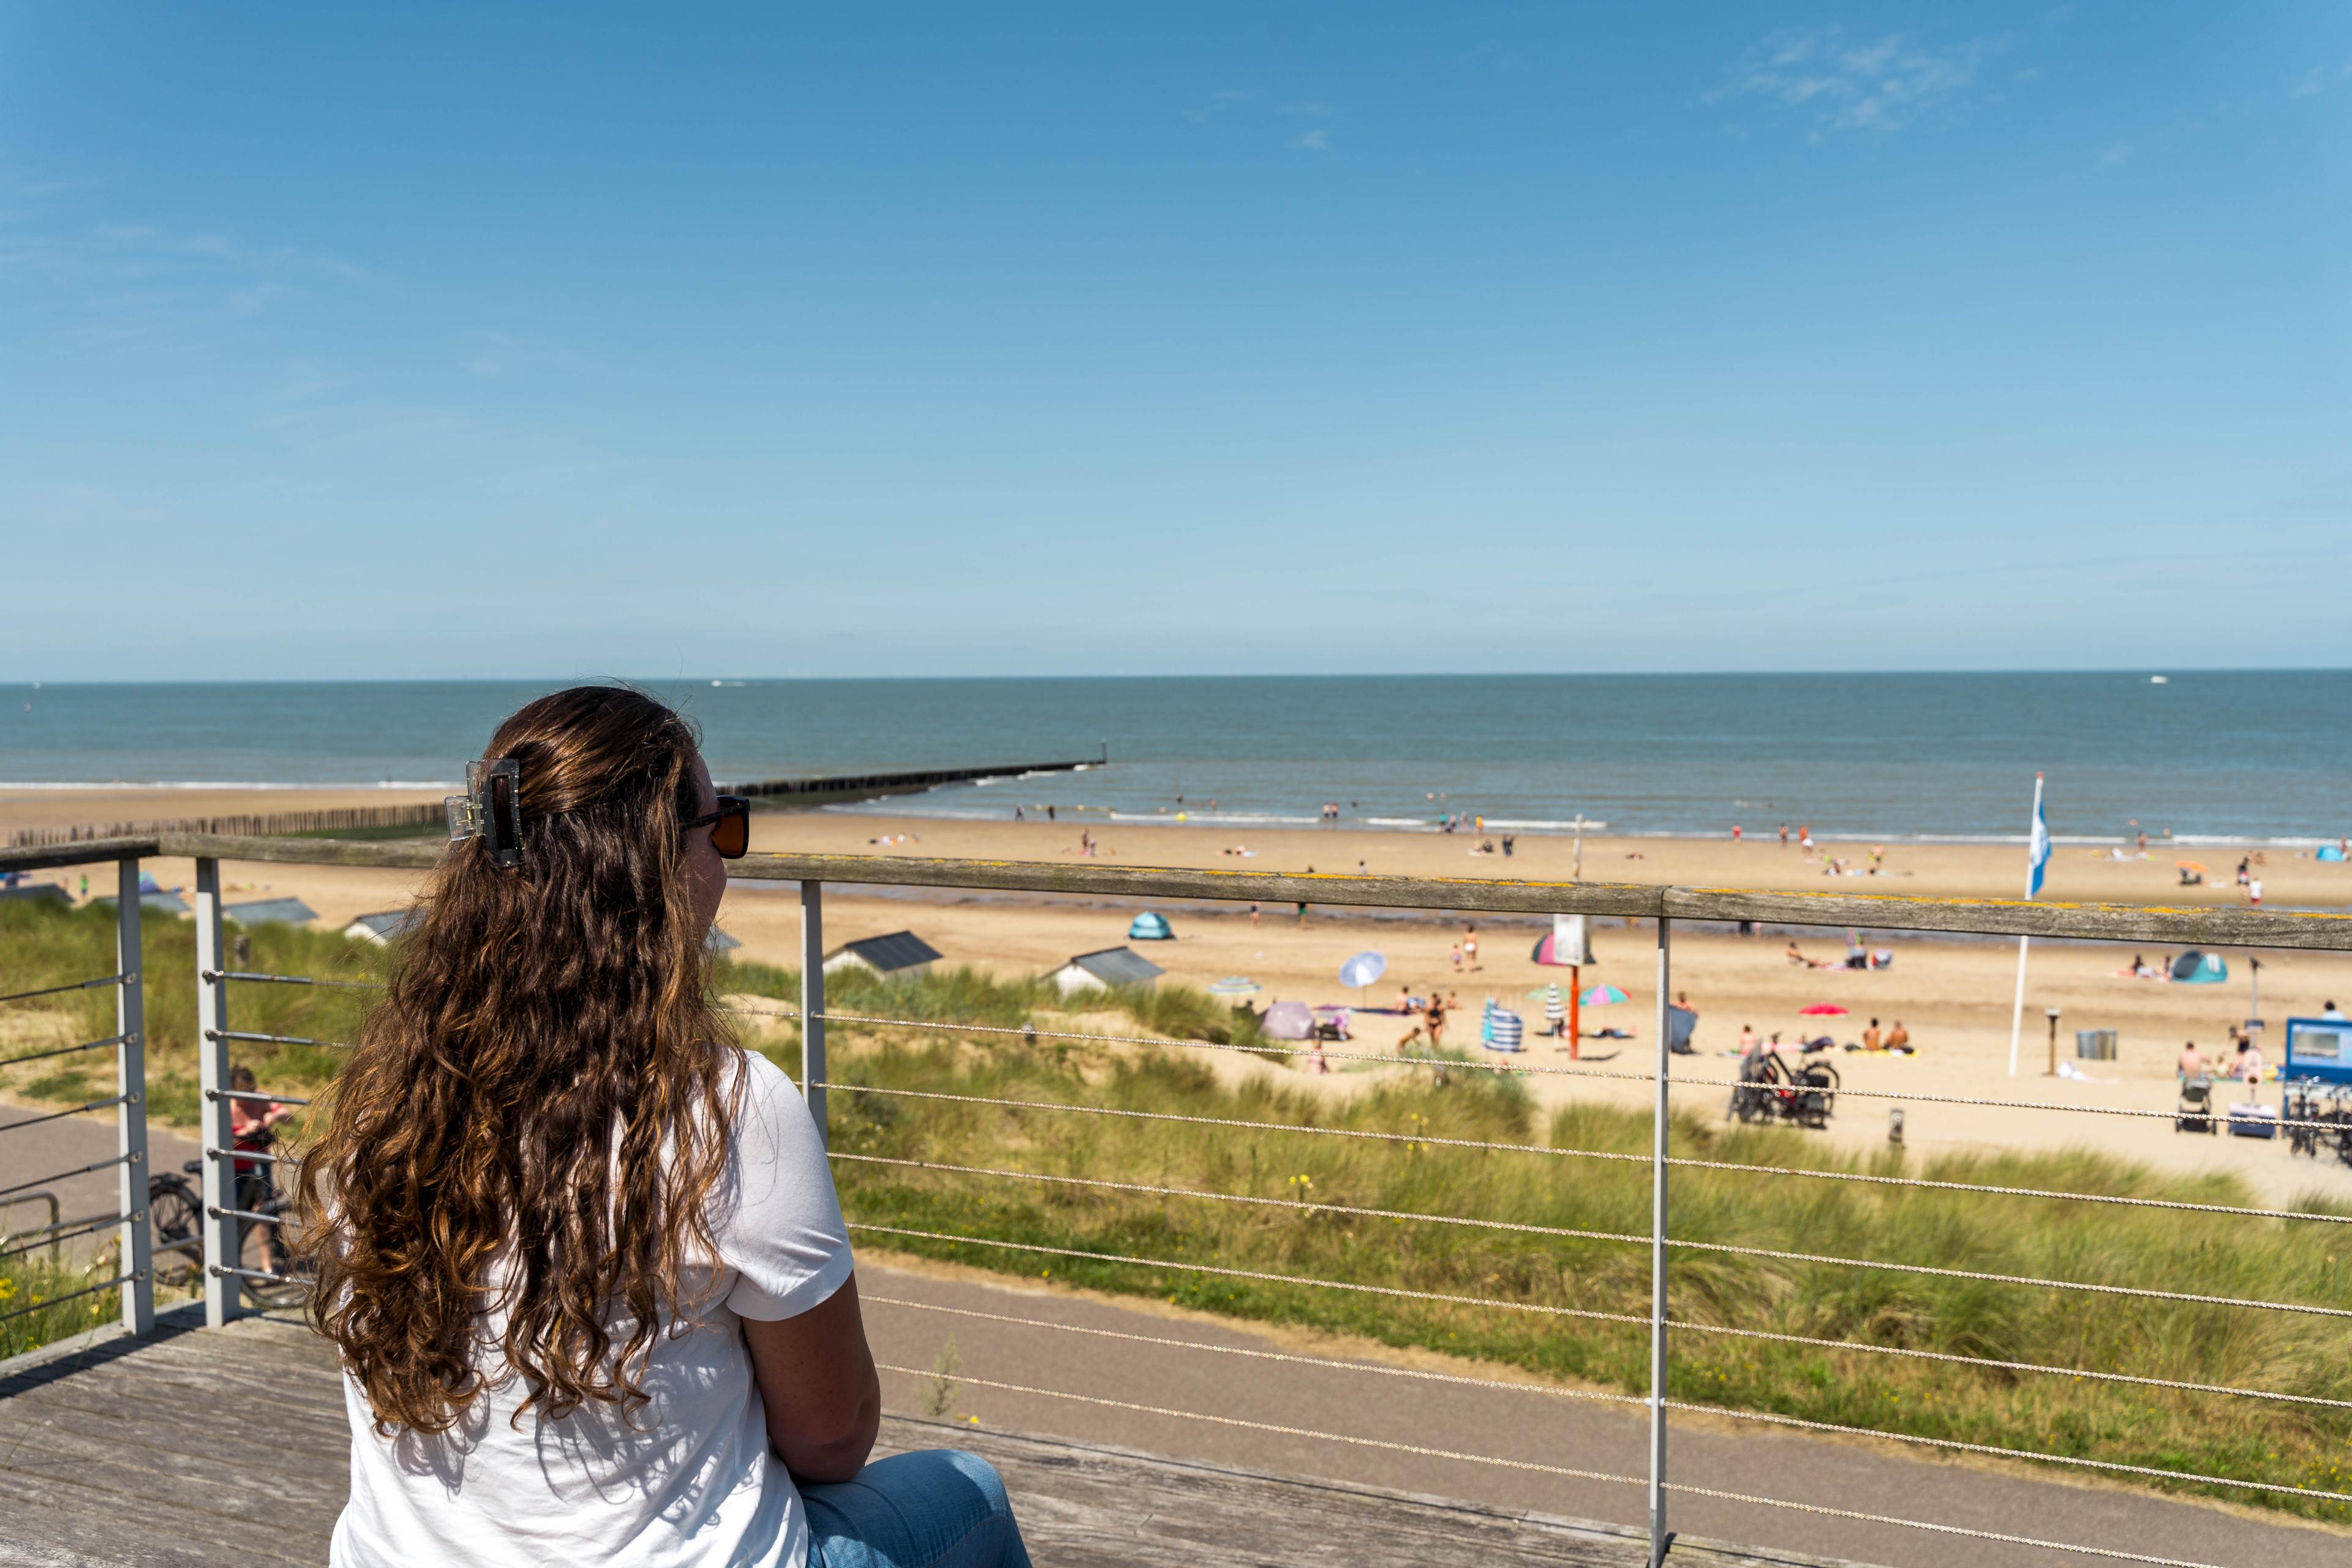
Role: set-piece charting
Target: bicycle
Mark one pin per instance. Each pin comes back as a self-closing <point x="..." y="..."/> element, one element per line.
<point x="175" y="1211"/>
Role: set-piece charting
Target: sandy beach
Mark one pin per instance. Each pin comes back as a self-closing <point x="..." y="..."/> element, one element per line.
<point x="1954" y="996"/>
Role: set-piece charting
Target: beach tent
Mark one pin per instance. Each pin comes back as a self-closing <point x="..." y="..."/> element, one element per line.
<point x="1104" y="968"/>
<point x="2195" y="968"/>
<point x="1680" y="1022"/>
<point x="1288" y="1021"/>
<point x="2331" y="852"/>
<point x="1151" y="926"/>
<point x="897" y="953"/>
<point x="1502" y="1030"/>
<point x="270" y="912"/>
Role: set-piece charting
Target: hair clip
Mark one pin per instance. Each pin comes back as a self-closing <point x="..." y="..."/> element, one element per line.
<point x="490" y="810"/>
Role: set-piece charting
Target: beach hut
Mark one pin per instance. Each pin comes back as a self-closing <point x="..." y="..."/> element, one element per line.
<point x="386" y="926"/>
<point x="1151" y="926"/>
<point x="899" y="953"/>
<point x="1102" y="969"/>
<point x="2195" y="968"/>
<point x="269" y="912"/>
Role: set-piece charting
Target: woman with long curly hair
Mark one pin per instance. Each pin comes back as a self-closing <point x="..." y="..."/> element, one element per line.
<point x="580" y="1253"/>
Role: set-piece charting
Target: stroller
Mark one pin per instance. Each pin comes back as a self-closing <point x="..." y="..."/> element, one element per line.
<point x="1770" y="1089"/>
<point x="2196" y="1112"/>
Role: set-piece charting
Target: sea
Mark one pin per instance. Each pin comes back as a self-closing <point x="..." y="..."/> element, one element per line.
<point x="2218" y="756"/>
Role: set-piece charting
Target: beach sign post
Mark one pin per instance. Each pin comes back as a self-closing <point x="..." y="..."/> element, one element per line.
<point x="2037" y="864"/>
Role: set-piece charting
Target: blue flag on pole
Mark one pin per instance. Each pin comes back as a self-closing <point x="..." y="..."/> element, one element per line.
<point x="2037" y="855"/>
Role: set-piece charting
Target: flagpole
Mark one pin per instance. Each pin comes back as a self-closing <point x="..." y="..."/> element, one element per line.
<point x="2017" y="1007"/>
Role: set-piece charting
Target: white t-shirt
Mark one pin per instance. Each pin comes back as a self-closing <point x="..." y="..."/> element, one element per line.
<point x="690" y="1481"/>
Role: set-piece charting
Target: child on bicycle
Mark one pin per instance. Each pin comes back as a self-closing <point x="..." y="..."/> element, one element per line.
<point x="252" y="1126"/>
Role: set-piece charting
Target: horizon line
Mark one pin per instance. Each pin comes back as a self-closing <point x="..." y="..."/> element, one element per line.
<point x="2138" y="672"/>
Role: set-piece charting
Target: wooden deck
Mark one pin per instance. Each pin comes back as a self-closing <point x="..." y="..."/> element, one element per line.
<point x="229" y="1445"/>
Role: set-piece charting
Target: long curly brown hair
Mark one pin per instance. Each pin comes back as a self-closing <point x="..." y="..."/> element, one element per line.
<point x="546" y="1084"/>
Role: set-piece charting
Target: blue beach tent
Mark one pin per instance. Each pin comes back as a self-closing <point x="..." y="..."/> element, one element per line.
<point x="2195" y="968"/>
<point x="2330" y="852"/>
<point x="1151" y="926"/>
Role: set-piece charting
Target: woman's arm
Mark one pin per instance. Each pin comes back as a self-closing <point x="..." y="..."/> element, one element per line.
<point x="817" y="1380"/>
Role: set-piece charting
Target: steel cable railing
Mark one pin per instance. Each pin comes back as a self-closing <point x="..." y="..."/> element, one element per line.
<point x="1679" y="1160"/>
<point x="133" y="1277"/>
<point x="1987" y="1362"/>
<point x="69" y="985"/>
<point x="110" y="1041"/>
<point x="78" y="1110"/>
<point x="1422" y="1451"/>
<point x="1569" y="1234"/>
<point x="220" y="1212"/>
<point x="815" y="1017"/>
<point x="1509" y="1068"/>
<point x="226" y="1035"/>
<point x="257" y="978"/>
<point x="25" y="1241"/>
<point x="1557" y="1391"/>
<point x="92" y="1169"/>
<point x="1544" y="1308"/>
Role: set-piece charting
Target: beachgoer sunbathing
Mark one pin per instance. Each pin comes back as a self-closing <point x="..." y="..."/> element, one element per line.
<point x="1898" y="1038"/>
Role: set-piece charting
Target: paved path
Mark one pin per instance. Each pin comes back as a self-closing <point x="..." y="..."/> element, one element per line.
<point x="1528" y="1426"/>
<point x="68" y="1144"/>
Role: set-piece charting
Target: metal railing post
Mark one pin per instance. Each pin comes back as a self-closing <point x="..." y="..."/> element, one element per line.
<point x="219" y="1231"/>
<point x="1660" y="1537"/>
<point x="813" y="1002"/>
<point x="130" y="1116"/>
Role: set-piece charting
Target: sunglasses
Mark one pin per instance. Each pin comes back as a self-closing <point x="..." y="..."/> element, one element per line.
<point x="730" y="826"/>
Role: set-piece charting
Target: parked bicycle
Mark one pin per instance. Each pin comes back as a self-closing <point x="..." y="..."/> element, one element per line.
<point x="175" y="1209"/>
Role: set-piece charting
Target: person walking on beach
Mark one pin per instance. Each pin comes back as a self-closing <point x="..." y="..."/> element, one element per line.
<point x="1784" y="835"/>
<point x="579" y="1253"/>
<point x="1253" y="911"/>
<point x="1735" y="832"/>
<point x="1433" y="1019"/>
<point x="1470" y="947"/>
<point x="2254" y="891"/>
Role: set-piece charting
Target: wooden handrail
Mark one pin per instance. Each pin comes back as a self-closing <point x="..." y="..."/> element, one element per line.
<point x="2213" y="926"/>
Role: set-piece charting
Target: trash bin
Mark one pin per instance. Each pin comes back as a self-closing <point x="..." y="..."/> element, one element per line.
<point x="2095" y="1045"/>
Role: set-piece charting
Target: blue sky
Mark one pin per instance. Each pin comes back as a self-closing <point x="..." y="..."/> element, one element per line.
<point x="535" y="341"/>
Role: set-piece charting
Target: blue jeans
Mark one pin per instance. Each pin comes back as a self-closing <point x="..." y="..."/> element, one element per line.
<point x="941" y="1507"/>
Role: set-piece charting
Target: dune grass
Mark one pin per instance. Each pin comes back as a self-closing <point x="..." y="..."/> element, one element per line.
<point x="2224" y="1435"/>
<point x="2293" y="1260"/>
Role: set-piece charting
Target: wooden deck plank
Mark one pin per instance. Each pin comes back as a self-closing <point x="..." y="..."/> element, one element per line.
<point x="111" y="1456"/>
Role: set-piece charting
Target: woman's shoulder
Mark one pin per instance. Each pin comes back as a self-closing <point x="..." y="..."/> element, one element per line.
<point x="757" y="1089"/>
